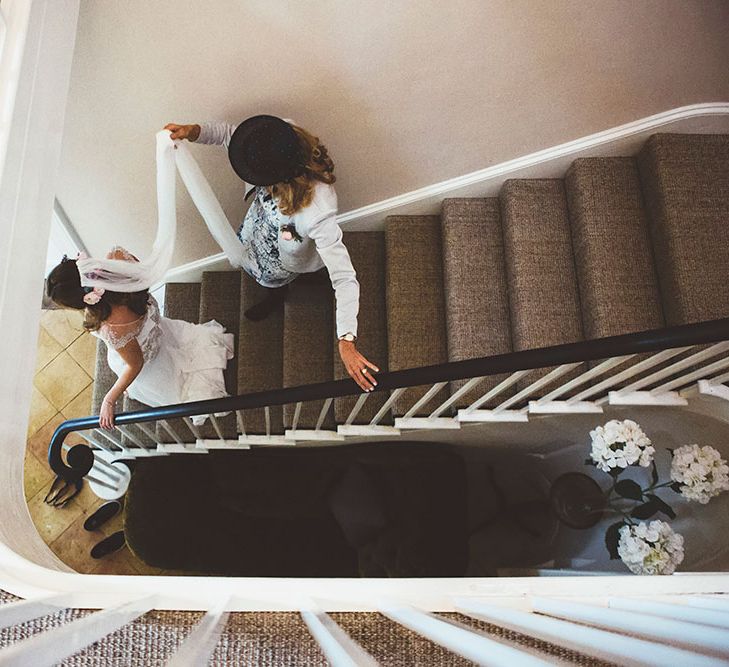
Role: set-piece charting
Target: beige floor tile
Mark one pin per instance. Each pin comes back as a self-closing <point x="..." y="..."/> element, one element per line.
<point x="48" y="349"/>
<point x="41" y="411"/>
<point x="73" y="545"/>
<point x="64" y="325"/>
<point x="62" y="380"/>
<point x="83" y="351"/>
<point x="81" y="405"/>
<point x="39" y="441"/>
<point x="50" y="521"/>
<point x="121" y="562"/>
<point x="36" y="475"/>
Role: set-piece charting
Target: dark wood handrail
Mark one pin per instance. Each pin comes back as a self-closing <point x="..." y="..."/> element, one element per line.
<point x="600" y="348"/>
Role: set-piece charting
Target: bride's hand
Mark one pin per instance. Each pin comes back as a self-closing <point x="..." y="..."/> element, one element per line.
<point x="357" y="366"/>
<point x="189" y="132"/>
<point x="106" y="415"/>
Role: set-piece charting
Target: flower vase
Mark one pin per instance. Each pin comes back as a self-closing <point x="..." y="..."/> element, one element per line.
<point x="577" y="500"/>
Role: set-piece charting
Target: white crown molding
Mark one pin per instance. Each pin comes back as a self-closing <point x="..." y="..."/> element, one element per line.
<point x="548" y="163"/>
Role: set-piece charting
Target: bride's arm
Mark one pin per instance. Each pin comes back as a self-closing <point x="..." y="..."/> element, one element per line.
<point x="133" y="359"/>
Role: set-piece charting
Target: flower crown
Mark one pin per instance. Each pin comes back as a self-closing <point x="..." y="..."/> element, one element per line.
<point x="93" y="294"/>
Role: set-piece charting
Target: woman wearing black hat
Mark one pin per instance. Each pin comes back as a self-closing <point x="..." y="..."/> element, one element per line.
<point x="291" y="226"/>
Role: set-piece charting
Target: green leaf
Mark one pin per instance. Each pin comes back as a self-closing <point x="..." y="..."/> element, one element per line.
<point x="662" y="506"/>
<point x="627" y="488"/>
<point x="645" y="511"/>
<point x="654" y="472"/>
<point x="615" y="472"/>
<point x="612" y="537"/>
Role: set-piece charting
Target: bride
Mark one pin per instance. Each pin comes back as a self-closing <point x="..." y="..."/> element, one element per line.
<point x="158" y="361"/>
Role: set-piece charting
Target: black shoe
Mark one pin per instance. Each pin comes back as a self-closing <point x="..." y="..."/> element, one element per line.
<point x="109" y="545"/>
<point x="264" y="308"/>
<point x="102" y="515"/>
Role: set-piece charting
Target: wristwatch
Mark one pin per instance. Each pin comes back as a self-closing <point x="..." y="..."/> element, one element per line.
<point x="349" y="337"/>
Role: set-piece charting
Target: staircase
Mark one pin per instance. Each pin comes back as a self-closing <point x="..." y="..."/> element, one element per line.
<point x="620" y="245"/>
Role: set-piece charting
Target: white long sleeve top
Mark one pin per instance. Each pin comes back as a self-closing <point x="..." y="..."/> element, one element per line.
<point x="321" y="239"/>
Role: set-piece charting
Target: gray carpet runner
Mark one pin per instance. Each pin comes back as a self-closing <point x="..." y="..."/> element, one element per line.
<point x="607" y="251"/>
<point x="474" y="279"/>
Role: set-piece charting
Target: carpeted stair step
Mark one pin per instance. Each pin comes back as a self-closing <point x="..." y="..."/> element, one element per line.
<point x="544" y="301"/>
<point x="685" y="181"/>
<point x="476" y="297"/>
<point x="416" y="321"/>
<point x="367" y="250"/>
<point x="613" y="255"/>
<point x="220" y="301"/>
<point x="182" y="302"/>
<point x="308" y="339"/>
<point x="260" y="356"/>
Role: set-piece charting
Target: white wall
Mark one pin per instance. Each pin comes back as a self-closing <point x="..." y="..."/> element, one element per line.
<point x="405" y="94"/>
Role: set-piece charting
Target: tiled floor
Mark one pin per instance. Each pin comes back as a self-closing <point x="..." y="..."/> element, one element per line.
<point x="63" y="385"/>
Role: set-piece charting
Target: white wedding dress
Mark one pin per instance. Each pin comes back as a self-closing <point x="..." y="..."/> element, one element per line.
<point x="182" y="361"/>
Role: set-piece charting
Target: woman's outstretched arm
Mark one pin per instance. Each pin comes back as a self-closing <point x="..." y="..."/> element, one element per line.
<point x="131" y="353"/>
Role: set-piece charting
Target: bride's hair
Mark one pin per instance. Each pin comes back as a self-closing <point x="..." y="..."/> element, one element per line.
<point x="63" y="287"/>
<point x="293" y="195"/>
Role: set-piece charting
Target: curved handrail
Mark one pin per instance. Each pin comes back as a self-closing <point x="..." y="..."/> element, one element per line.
<point x="600" y="348"/>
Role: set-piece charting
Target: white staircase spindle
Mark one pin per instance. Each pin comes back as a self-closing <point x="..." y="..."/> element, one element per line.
<point x="110" y="438"/>
<point x="470" y="644"/>
<point x="100" y="482"/>
<point x="216" y="425"/>
<point x="356" y="409"/>
<point x="199" y="645"/>
<point x="600" y="644"/>
<point x="590" y="373"/>
<point x="536" y="386"/>
<point x="170" y="431"/>
<point x="128" y="433"/>
<point x="14" y="613"/>
<point x="54" y="646"/>
<point x="267" y="417"/>
<point x="720" y="379"/>
<point x="240" y="422"/>
<point x="425" y="399"/>
<point x="626" y="374"/>
<point x="295" y="420"/>
<point x="105" y="468"/>
<point x="96" y="442"/>
<point x="473" y="382"/>
<point x="699" y="374"/>
<point x="323" y="413"/>
<point x="147" y="431"/>
<point x="493" y="393"/>
<point x="678" y="612"/>
<point x="396" y="393"/>
<point x="193" y="429"/>
<point x="338" y="647"/>
<point x="717" y="602"/>
<point x="691" y="636"/>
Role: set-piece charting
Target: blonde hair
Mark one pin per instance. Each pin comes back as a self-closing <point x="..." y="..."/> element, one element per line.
<point x="293" y="195"/>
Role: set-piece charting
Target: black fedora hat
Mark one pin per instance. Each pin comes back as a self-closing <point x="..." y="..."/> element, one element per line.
<point x="265" y="150"/>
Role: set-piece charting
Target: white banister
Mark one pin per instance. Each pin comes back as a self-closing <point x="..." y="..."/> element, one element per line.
<point x="550" y="377"/>
<point x="240" y="422"/>
<point x="199" y="645"/>
<point x="626" y="374"/>
<point x="702" y="638"/>
<point x="54" y="646"/>
<point x="216" y="425"/>
<point x="295" y="420"/>
<point x="679" y="612"/>
<point x="338" y="647"/>
<point x="14" y="613"/>
<point x="600" y="644"/>
<point x="193" y="429"/>
<point x="471" y="384"/>
<point x="469" y="644"/>
<point x="170" y="431"/>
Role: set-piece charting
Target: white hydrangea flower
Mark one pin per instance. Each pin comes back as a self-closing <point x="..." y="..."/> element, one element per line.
<point x="620" y="444"/>
<point x="700" y="471"/>
<point x="650" y="548"/>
